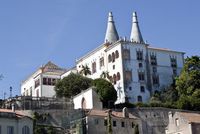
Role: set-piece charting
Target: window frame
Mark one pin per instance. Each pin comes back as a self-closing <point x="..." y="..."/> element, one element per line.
<point x="114" y="123"/>
<point x="116" y="54"/>
<point x="25" y="130"/>
<point x="10" y="129"/>
<point x="139" y="98"/>
<point x="122" y="124"/>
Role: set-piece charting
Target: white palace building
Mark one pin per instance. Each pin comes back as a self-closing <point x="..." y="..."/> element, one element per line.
<point x="135" y="68"/>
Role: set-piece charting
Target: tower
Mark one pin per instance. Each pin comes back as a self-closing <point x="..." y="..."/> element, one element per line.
<point x="111" y="32"/>
<point x="136" y="35"/>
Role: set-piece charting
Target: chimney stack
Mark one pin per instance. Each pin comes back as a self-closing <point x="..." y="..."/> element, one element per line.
<point x="111" y="32"/>
<point x="136" y="35"/>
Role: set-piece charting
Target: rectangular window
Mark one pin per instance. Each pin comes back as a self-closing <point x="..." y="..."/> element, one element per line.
<point x="96" y="121"/>
<point x="139" y="55"/>
<point x="49" y="81"/>
<point x="94" y="67"/>
<point x="53" y="82"/>
<point x="154" y="69"/>
<point x="101" y="62"/>
<point x="142" y="89"/>
<point x="37" y="83"/>
<point x="141" y="76"/>
<point x="105" y="122"/>
<point x="153" y="60"/>
<point x="133" y="125"/>
<point x="126" y="54"/>
<point x="44" y="81"/>
<point x="155" y="79"/>
<point x="114" y="123"/>
<point x="128" y="75"/>
<point x="30" y="91"/>
<point x="173" y="62"/>
<point x="123" y="124"/>
<point x="10" y="130"/>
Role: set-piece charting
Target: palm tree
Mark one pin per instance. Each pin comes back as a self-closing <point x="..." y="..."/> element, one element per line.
<point x="105" y="74"/>
<point x="85" y="70"/>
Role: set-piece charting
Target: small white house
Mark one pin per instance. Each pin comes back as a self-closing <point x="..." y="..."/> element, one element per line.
<point x="13" y="122"/>
<point x="87" y="99"/>
<point x="183" y="123"/>
<point x="120" y="122"/>
<point x="42" y="82"/>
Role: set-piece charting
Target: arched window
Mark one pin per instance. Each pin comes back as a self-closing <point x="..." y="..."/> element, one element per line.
<point x="94" y="70"/>
<point x="118" y="76"/>
<point x="83" y="103"/>
<point x="139" y="98"/>
<point x="116" y="54"/>
<point x="114" y="78"/>
<point x="113" y="57"/>
<point x="109" y="58"/>
<point x="25" y="130"/>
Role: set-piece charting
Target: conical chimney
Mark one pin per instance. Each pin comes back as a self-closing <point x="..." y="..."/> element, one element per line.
<point x="136" y="35"/>
<point x="111" y="32"/>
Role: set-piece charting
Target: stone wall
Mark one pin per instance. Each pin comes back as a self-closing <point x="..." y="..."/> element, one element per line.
<point x="154" y="120"/>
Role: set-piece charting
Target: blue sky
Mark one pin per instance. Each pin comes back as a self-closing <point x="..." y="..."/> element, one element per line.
<point x="33" y="32"/>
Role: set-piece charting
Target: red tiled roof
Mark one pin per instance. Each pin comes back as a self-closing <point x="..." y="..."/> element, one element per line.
<point x="104" y="113"/>
<point x="191" y="117"/>
<point x="17" y="112"/>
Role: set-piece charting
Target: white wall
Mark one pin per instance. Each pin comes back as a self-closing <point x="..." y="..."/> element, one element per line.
<point x="91" y="98"/>
<point x="48" y="90"/>
<point x="18" y="124"/>
<point x="68" y="72"/>
<point x="44" y="90"/>
<point x="164" y="69"/>
<point x="30" y="83"/>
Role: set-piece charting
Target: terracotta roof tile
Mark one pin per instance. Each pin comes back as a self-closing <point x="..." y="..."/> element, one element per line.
<point x="104" y="113"/>
<point x="17" y="112"/>
<point x="191" y="117"/>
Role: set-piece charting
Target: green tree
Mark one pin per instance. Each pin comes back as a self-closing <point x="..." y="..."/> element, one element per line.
<point x="85" y="70"/>
<point x="188" y="84"/>
<point x="105" y="90"/>
<point x="72" y="85"/>
<point x="105" y="74"/>
<point x="184" y="93"/>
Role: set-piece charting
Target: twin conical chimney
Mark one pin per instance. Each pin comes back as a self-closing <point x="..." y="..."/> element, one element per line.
<point x="111" y="32"/>
<point x="112" y="35"/>
<point x="136" y="35"/>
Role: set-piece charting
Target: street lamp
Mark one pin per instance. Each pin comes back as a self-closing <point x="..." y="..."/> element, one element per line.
<point x="10" y="91"/>
<point x="4" y="94"/>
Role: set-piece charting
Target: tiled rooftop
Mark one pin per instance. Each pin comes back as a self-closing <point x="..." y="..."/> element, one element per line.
<point x="191" y="117"/>
<point x="104" y="113"/>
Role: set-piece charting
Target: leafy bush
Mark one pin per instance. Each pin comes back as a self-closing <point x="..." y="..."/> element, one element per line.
<point x="105" y="90"/>
<point x="72" y="85"/>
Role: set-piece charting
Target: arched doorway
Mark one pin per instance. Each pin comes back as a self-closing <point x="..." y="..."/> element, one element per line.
<point x="83" y="103"/>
